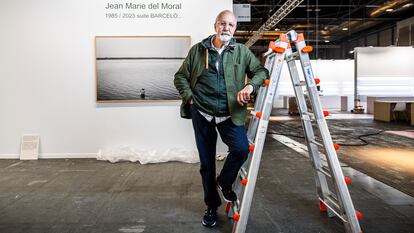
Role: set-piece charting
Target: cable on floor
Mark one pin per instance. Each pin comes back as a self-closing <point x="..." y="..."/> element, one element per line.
<point x="360" y="137"/>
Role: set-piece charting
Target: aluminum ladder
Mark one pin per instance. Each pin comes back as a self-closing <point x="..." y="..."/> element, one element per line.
<point x="336" y="202"/>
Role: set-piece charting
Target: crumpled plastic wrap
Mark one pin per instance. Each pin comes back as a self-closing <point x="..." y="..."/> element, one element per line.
<point x="128" y="153"/>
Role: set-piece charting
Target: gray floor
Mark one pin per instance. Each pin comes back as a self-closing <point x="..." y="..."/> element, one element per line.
<point x="379" y="154"/>
<point x="86" y="195"/>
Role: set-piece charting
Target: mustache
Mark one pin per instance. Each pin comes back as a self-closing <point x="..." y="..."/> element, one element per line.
<point x="225" y="34"/>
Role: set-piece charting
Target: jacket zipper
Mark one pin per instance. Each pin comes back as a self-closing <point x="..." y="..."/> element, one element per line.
<point x="218" y="81"/>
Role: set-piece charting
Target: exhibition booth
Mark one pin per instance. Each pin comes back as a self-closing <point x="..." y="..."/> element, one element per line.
<point x="94" y="79"/>
<point x="48" y="75"/>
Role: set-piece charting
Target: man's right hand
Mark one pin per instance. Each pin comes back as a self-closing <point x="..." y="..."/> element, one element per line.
<point x="243" y="96"/>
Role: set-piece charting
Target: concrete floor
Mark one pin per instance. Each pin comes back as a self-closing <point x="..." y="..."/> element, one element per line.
<point x="382" y="155"/>
<point x="84" y="195"/>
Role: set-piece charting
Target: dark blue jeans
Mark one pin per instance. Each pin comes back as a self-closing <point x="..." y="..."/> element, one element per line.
<point x="206" y="138"/>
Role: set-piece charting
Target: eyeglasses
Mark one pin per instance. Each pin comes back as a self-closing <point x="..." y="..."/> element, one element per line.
<point x="224" y="24"/>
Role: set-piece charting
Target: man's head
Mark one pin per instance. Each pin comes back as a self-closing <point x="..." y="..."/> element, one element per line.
<point x="225" y="25"/>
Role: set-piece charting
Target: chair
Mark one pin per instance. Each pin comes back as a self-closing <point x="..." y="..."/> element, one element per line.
<point x="400" y="107"/>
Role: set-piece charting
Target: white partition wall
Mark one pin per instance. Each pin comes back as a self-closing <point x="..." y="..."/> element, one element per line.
<point x="384" y="71"/>
<point x="379" y="71"/>
<point x="47" y="74"/>
<point x="337" y="79"/>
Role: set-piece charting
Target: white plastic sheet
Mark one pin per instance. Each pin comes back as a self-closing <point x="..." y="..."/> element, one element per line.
<point x="127" y="153"/>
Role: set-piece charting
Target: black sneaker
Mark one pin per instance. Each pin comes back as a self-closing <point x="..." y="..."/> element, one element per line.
<point x="210" y="217"/>
<point x="228" y="195"/>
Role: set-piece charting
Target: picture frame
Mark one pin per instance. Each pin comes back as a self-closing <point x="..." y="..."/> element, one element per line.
<point x="138" y="68"/>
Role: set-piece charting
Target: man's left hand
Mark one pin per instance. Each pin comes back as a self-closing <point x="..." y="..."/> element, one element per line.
<point x="243" y="96"/>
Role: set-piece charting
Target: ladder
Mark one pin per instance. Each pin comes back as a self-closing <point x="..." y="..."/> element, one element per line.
<point x="326" y="167"/>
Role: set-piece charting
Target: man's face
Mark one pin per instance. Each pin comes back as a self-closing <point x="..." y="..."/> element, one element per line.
<point x="225" y="27"/>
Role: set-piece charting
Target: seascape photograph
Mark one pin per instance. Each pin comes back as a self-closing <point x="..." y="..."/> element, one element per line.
<point x="138" y="68"/>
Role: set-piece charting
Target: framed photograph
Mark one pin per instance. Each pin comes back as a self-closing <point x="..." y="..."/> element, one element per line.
<point x="138" y="68"/>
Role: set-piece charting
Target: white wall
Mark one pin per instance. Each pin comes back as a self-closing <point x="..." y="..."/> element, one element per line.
<point x="165" y="47"/>
<point x="337" y="79"/>
<point x="385" y="71"/>
<point x="47" y="77"/>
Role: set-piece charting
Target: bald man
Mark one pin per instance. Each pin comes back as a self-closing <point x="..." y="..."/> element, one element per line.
<point x="211" y="82"/>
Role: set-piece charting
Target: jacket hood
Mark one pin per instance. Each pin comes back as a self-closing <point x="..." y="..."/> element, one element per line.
<point x="207" y="42"/>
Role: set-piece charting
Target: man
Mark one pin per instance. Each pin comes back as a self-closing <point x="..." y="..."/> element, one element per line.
<point x="211" y="82"/>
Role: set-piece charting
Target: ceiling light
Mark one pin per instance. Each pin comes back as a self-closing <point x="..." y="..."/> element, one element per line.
<point x="389" y="10"/>
<point x="344" y="29"/>
<point x="408" y="5"/>
<point x="326" y="41"/>
<point x="317" y="9"/>
<point x="308" y="9"/>
<point x="352" y="51"/>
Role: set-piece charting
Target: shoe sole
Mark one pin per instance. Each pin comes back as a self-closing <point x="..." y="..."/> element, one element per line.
<point x="228" y="200"/>
<point x="208" y="225"/>
<point x="223" y="195"/>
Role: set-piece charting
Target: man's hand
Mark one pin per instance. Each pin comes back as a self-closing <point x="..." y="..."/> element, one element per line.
<point x="243" y="96"/>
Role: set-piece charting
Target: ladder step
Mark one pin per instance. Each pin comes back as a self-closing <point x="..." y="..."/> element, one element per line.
<point x="243" y="172"/>
<point x="316" y="143"/>
<point x="302" y="83"/>
<point x="292" y="56"/>
<point x="333" y="201"/>
<point x="333" y="209"/>
<point x="311" y="114"/>
<point x="335" y="145"/>
<point x="325" y="171"/>
<point x="251" y="141"/>
<point x="308" y="116"/>
<point x="250" y="138"/>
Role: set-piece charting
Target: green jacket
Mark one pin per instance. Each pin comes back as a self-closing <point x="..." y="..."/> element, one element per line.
<point x="210" y="92"/>
<point x="238" y="61"/>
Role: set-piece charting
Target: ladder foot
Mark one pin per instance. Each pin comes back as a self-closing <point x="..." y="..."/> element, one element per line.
<point x="251" y="148"/>
<point x="228" y="205"/>
<point x="322" y="207"/>
<point x="358" y="215"/>
<point x="236" y="217"/>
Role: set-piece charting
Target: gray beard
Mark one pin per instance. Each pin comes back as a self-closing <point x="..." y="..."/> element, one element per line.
<point x="225" y="38"/>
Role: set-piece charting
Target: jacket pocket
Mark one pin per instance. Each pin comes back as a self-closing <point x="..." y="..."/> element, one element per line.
<point x="185" y="110"/>
<point x="239" y="76"/>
